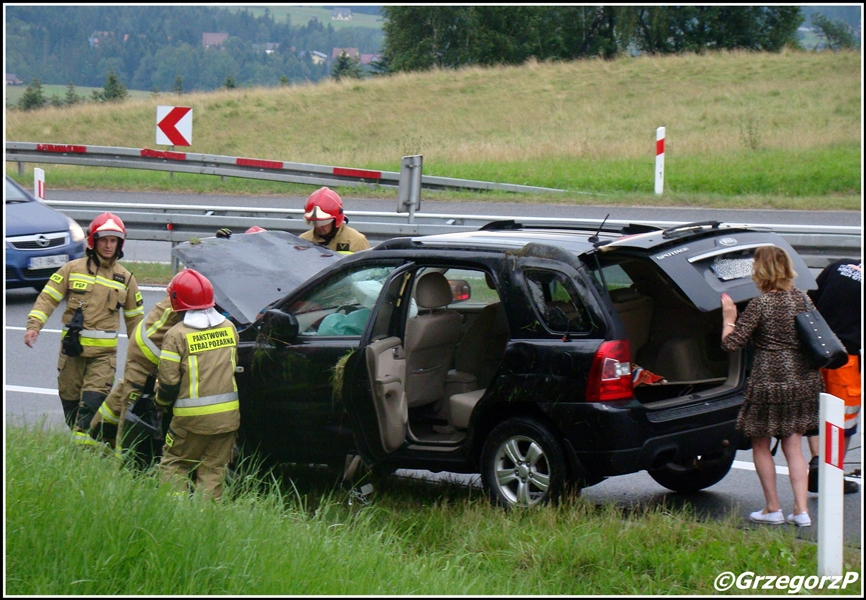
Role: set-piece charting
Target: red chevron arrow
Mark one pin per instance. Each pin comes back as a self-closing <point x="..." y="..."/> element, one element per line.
<point x="169" y="122"/>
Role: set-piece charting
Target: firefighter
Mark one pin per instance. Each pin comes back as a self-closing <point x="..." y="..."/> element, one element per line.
<point x="139" y="373"/>
<point x="323" y="211"/>
<point x="196" y="378"/>
<point x="97" y="291"/>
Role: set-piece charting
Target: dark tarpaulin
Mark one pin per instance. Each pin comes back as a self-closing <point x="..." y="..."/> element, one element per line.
<point x="250" y="270"/>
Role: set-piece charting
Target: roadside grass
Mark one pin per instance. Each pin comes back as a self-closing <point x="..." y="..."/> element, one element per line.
<point x="150" y="273"/>
<point x="785" y="127"/>
<point x="76" y="523"/>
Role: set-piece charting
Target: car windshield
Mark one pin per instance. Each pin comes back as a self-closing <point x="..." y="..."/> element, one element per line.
<point x="14" y="194"/>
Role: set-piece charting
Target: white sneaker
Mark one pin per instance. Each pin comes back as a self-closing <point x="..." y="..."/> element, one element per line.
<point x="801" y="520"/>
<point x="773" y="518"/>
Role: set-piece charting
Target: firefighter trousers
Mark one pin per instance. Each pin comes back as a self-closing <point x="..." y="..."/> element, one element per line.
<point x="207" y="455"/>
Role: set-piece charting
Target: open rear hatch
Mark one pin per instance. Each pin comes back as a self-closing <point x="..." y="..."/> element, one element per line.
<point x="666" y="286"/>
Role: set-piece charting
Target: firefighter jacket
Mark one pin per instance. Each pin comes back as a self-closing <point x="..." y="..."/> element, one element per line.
<point x="103" y="289"/>
<point x="346" y="241"/>
<point x="142" y="354"/>
<point x="197" y="376"/>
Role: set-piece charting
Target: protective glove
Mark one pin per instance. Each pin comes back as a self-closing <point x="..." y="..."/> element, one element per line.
<point x="224" y="232"/>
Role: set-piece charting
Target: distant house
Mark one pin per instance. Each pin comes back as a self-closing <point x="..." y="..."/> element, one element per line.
<point x="350" y="52"/>
<point x="267" y="48"/>
<point x="213" y="40"/>
<point x="367" y="59"/>
<point x="318" y="57"/>
<point x="11" y="79"/>
<point x="341" y="14"/>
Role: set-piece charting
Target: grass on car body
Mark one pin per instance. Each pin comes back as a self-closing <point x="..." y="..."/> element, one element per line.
<point x="76" y="523"/>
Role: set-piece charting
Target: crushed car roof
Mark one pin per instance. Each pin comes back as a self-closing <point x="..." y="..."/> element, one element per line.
<point x="249" y="271"/>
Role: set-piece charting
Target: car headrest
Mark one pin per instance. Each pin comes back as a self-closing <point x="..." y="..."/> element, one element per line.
<point x="433" y="291"/>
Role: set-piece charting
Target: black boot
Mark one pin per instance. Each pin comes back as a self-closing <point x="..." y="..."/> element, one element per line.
<point x="70" y="411"/>
<point x="813" y="475"/>
<point x="90" y="403"/>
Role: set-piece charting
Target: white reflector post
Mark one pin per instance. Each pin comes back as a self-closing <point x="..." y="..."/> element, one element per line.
<point x="39" y="183"/>
<point x="660" y="160"/>
<point x="830" y="477"/>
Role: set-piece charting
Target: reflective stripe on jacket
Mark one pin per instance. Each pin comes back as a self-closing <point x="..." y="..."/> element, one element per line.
<point x="196" y="374"/>
<point x="103" y="295"/>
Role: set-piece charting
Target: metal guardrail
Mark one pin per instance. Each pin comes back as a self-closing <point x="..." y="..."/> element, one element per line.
<point x="232" y="166"/>
<point x="819" y="245"/>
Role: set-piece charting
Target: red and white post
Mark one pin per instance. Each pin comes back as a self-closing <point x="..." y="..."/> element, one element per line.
<point x="39" y="183"/>
<point x="660" y="160"/>
<point x="830" y="477"/>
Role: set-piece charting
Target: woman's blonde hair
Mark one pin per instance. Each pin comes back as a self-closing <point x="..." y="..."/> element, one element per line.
<point x="772" y="269"/>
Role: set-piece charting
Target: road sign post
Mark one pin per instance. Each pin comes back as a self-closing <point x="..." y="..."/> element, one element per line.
<point x="409" y="186"/>
<point x="660" y="160"/>
<point x="174" y="127"/>
<point x="831" y="444"/>
<point x="39" y="183"/>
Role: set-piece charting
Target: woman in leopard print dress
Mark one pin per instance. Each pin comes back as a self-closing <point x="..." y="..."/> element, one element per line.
<point x="781" y="398"/>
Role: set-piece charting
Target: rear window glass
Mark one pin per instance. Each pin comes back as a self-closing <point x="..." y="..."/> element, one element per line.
<point x="727" y="269"/>
<point x="557" y="302"/>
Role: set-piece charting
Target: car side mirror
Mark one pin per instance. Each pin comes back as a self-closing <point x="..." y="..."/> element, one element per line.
<point x="279" y="325"/>
<point x="460" y="290"/>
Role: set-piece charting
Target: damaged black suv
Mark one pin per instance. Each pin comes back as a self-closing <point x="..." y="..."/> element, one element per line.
<point x="543" y="359"/>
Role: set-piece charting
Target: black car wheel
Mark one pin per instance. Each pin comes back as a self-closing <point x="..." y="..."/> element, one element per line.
<point x="522" y="464"/>
<point x="695" y="474"/>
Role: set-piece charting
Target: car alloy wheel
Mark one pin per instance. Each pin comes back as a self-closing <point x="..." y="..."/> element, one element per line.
<point x="522" y="464"/>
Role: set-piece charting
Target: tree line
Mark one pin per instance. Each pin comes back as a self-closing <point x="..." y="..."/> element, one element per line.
<point x="424" y="37"/>
<point x="149" y="47"/>
<point x="159" y="48"/>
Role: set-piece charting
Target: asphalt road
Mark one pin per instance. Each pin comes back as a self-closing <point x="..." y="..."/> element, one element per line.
<point x="161" y="251"/>
<point x="30" y="396"/>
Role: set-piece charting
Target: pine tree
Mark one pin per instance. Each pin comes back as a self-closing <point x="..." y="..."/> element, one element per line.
<point x="230" y="83"/>
<point x="33" y="97"/>
<point x="113" y="90"/>
<point x="71" y="96"/>
<point x="346" y="66"/>
<point x="178" y="85"/>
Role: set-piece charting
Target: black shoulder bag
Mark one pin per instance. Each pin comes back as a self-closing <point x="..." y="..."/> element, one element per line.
<point x="822" y="348"/>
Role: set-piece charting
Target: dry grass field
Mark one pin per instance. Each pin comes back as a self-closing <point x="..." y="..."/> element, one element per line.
<point x="540" y="123"/>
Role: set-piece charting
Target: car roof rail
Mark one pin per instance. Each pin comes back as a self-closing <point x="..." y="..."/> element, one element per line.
<point x="507" y="225"/>
<point x="398" y="243"/>
<point x="689" y="228"/>
<point x="512" y="225"/>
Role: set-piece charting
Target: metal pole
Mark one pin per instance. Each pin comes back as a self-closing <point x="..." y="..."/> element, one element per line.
<point x="415" y="187"/>
<point x="830" y="481"/>
<point x="660" y="160"/>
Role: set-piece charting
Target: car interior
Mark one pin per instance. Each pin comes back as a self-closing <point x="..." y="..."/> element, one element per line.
<point x="448" y="356"/>
<point x="668" y="335"/>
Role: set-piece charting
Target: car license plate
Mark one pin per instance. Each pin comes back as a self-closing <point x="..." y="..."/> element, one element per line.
<point x="47" y="262"/>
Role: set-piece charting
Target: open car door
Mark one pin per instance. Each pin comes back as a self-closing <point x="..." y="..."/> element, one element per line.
<point x="377" y="399"/>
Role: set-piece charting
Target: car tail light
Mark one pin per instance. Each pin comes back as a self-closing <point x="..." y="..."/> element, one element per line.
<point x="610" y="374"/>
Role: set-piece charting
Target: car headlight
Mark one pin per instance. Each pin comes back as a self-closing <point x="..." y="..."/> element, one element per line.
<point x="75" y="230"/>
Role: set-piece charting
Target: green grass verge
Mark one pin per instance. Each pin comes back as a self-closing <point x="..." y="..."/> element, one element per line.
<point x="150" y="273"/>
<point x="76" y="523"/>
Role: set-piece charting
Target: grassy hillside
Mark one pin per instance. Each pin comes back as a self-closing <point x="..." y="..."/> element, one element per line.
<point x="12" y="93"/>
<point x="782" y="128"/>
